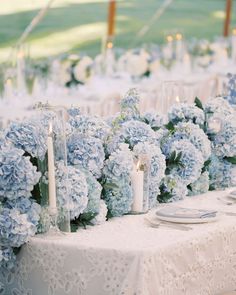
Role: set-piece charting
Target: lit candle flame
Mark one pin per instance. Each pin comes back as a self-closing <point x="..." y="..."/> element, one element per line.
<point x="234" y="31"/>
<point x="8" y="82"/>
<point x="179" y="36"/>
<point x="20" y="54"/>
<point x="109" y="45"/>
<point x="177" y="99"/>
<point x="138" y="165"/>
<point x="169" y="38"/>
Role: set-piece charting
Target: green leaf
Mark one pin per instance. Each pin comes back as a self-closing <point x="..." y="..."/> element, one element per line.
<point x="198" y="103"/>
<point x="206" y="165"/>
<point x="179" y="157"/>
<point x="155" y="128"/>
<point x="83" y="220"/>
<point x="211" y="187"/>
<point x="111" y="186"/>
<point x="170" y="126"/>
<point x="172" y="157"/>
<point x="231" y="160"/>
<point x="189" y="187"/>
<point x="164" y="197"/>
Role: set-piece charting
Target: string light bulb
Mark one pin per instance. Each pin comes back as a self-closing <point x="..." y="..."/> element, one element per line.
<point x="169" y="38"/>
<point x="109" y="45"/>
<point x="179" y="36"/>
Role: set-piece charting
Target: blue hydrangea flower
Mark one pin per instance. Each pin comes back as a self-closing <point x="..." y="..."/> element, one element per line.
<point x="117" y="190"/>
<point x="231" y="89"/>
<point x="72" y="189"/>
<point x="173" y="187"/>
<point x="17" y="174"/>
<point x="26" y="206"/>
<point x="191" y="160"/>
<point x="2" y="140"/>
<point x="156" y="168"/>
<point x="7" y="258"/>
<point x="131" y="132"/>
<point x="224" y="142"/>
<point x="222" y="173"/>
<point x="74" y="111"/>
<point x="184" y="112"/>
<point x="87" y="152"/>
<point x="218" y="105"/>
<point x="15" y="228"/>
<point x="130" y="101"/>
<point x="94" y="193"/>
<point x="191" y="132"/>
<point x="28" y="136"/>
<point x="91" y="126"/>
<point x="102" y="215"/>
<point x="154" y="119"/>
<point x="201" y="185"/>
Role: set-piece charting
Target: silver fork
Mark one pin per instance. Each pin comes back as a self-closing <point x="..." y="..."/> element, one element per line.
<point x="228" y="203"/>
<point x="166" y="224"/>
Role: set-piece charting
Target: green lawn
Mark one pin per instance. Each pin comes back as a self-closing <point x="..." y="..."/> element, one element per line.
<point x="79" y="25"/>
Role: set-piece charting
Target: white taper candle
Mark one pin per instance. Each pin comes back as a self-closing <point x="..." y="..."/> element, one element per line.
<point x="51" y="173"/>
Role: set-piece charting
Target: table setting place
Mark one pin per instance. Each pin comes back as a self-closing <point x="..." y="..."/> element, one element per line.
<point x="181" y="218"/>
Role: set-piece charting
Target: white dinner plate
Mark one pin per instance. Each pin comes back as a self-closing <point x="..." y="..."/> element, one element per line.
<point x="232" y="195"/>
<point x="187" y="220"/>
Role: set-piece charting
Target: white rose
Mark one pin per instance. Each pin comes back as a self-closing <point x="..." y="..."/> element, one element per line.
<point x="82" y="70"/>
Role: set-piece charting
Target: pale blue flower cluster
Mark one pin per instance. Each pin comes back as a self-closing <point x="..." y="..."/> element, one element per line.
<point x="7" y="258"/>
<point x="218" y="105"/>
<point x="15" y="228"/>
<point x="224" y="142"/>
<point x="191" y="132"/>
<point x="72" y="189"/>
<point x="191" y="161"/>
<point x="222" y="173"/>
<point x="154" y="119"/>
<point x="130" y="101"/>
<point x="102" y="215"/>
<point x="17" y="174"/>
<point x="131" y="132"/>
<point x="91" y="126"/>
<point x="201" y="185"/>
<point x="155" y="168"/>
<point x="87" y="152"/>
<point x="117" y="190"/>
<point x="231" y="89"/>
<point x="25" y="206"/>
<point x="184" y="112"/>
<point x="174" y="188"/>
<point x="74" y="111"/>
<point x="28" y="136"/>
<point x="94" y="193"/>
<point x="19" y="214"/>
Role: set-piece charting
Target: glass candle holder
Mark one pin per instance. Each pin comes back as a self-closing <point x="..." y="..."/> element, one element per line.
<point x="54" y="168"/>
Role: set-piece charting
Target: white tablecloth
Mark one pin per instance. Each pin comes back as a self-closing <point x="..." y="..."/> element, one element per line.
<point x="125" y="256"/>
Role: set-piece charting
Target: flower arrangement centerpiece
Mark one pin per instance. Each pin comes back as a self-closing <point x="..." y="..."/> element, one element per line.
<point x="135" y="62"/>
<point x="187" y="152"/>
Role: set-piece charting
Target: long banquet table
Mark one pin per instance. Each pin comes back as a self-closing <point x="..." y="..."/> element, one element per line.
<point x="126" y="256"/>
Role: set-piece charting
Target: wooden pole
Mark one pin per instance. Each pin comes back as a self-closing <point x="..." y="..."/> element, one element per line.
<point x="228" y="8"/>
<point x="111" y="20"/>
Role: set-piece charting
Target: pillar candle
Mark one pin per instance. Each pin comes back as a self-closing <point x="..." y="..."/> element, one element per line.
<point x="137" y="177"/>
